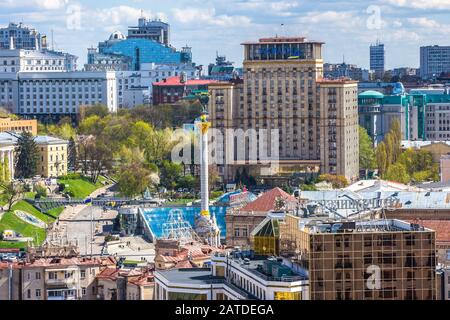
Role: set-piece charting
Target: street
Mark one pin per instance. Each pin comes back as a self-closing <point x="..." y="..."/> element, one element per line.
<point x="75" y="226"/>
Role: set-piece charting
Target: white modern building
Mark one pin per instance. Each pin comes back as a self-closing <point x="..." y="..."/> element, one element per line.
<point x="57" y="94"/>
<point x="18" y="60"/>
<point x="233" y="278"/>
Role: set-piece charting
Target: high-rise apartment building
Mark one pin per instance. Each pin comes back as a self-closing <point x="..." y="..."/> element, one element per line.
<point x="19" y="36"/>
<point x="283" y="91"/>
<point x="434" y="60"/>
<point x="362" y="260"/>
<point x="377" y="59"/>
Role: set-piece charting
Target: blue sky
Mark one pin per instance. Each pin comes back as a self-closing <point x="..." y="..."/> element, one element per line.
<point x="347" y="27"/>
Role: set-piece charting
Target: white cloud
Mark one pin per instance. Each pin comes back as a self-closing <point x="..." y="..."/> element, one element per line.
<point x="277" y="8"/>
<point x="343" y="19"/>
<point x="34" y="4"/>
<point x="208" y="16"/>
<point x="420" y="4"/>
<point x="424" y="22"/>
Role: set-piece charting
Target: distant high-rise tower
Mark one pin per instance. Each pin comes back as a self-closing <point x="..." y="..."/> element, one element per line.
<point x="377" y="58"/>
<point x="19" y="36"/>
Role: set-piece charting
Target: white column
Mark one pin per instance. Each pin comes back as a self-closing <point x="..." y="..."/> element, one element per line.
<point x="11" y="163"/>
<point x="204" y="188"/>
<point x="2" y="159"/>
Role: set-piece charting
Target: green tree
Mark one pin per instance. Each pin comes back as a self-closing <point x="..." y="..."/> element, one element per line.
<point x="11" y="193"/>
<point x="337" y="181"/>
<point x="189" y="182"/>
<point x="134" y="178"/>
<point x="170" y="174"/>
<point x="72" y="156"/>
<point x="397" y="172"/>
<point x="366" y="153"/>
<point x="381" y="158"/>
<point x="27" y="155"/>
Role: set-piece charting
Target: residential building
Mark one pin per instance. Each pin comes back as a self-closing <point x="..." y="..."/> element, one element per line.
<point x="19" y="36"/>
<point x="344" y="70"/>
<point x="377" y="62"/>
<point x="362" y="260"/>
<point x="50" y="96"/>
<point x="445" y="168"/>
<point x="241" y="221"/>
<point x="52" y="278"/>
<point x="233" y="276"/>
<point x="172" y="89"/>
<point x="18" y="126"/>
<point x="124" y="284"/>
<point x="434" y="60"/>
<point x="283" y="91"/>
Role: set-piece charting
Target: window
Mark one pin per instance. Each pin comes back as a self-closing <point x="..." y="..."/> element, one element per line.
<point x="38" y="293"/>
<point x="38" y="275"/>
<point x="83" y="291"/>
<point x="29" y="294"/>
<point x="83" y="274"/>
<point x="52" y="275"/>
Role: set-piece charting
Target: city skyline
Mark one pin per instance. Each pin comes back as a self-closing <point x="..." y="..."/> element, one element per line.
<point x="403" y="26"/>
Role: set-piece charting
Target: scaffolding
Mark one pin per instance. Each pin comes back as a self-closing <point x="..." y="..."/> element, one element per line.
<point x="177" y="228"/>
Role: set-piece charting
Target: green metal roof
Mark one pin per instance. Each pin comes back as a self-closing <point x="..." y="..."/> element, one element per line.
<point x="371" y="94"/>
<point x="437" y="98"/>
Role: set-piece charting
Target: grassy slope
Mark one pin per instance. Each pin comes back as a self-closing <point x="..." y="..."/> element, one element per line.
<point x="11" y="222"/>
<point x="12" y="245"/>
<point x="81" y="188"/>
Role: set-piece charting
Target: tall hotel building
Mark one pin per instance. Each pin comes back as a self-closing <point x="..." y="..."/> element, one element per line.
<point x="283" y="89"/>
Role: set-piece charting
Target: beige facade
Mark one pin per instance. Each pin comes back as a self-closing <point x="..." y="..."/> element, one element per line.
<point x="53" y="154"/>
<point x="18" y="126"/>
<point x="52" y="279"/>
<point x="339" y="133"/>
<point x="285" y="94"/>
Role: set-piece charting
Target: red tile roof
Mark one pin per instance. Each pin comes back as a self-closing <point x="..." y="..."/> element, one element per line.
<point x="184" y="265"/>
<point x="266" y="202"/>
<point x="109" y="274"/>
<point x="175" y="81"/>
<point x="442" y="228"/>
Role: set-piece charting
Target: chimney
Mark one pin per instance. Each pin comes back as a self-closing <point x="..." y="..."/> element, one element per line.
<point x="11" y="43"/>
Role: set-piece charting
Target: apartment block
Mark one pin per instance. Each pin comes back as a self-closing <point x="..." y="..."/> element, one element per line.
<point x="362" y="260"/>
<point x="52" y="278"/>
<point x="283" y="92"/>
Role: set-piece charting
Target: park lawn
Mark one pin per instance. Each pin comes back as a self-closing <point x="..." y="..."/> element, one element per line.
<point x="11" y="222"/>
<point x="80" y="188"/>
<point x="180" y="201"/>
<point x="12" y="245"/>
<point x="55" y="212"/>
<point x="25" y="206"/>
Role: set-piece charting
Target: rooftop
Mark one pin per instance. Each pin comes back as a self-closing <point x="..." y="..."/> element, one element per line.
<point x="267" y="201"/>
<point x="371" y="94"/>
<point x="274" y="40"/>
<point x="362" y="226"/>
<point x="175" y="81"/>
